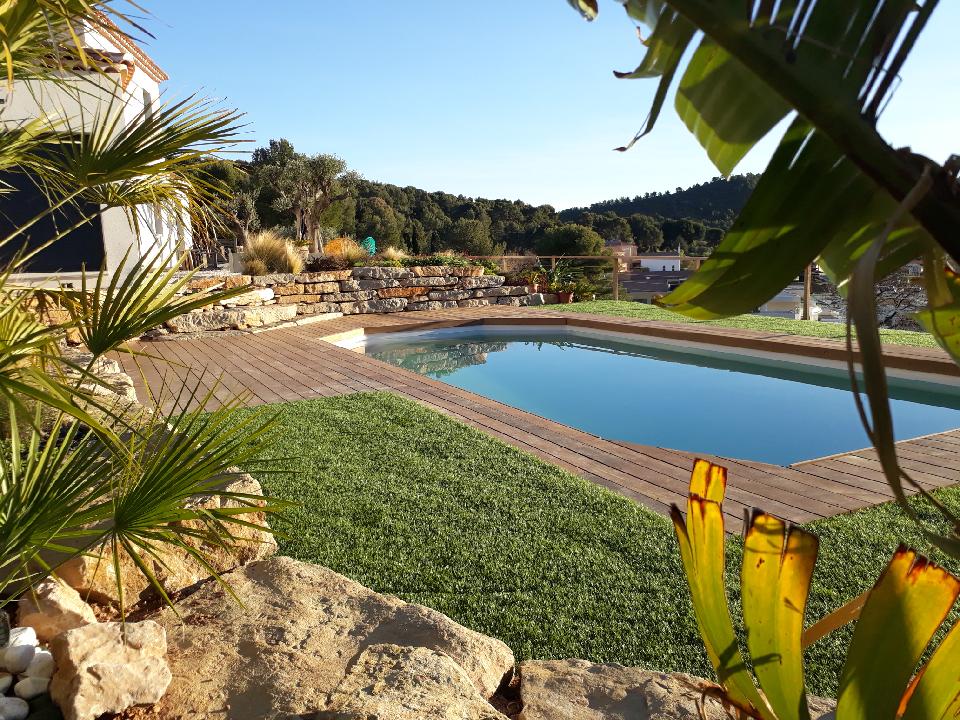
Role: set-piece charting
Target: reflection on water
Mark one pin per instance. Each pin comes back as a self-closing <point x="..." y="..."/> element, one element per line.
<point x="731" y="406"/>
<point x="439" y="359"/>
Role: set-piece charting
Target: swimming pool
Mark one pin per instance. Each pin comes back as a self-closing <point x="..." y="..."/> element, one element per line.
<point x="685" y="396"/>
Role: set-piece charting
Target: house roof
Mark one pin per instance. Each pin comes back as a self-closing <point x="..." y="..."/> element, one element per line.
<point x="114" y="34"/>
<point x="655" y="282"/>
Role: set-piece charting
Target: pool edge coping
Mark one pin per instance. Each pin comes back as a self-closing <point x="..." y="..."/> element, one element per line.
<point x="781" y="343"/>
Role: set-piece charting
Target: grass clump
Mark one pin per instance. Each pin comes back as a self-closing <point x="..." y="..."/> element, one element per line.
<point x="807" y="328"/>
<point x="268" y="252"/>
<point x="347" y="249"/>
<point x="412" y="503"/>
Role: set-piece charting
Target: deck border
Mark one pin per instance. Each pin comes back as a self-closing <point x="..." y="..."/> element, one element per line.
<point x="293" y="363"/>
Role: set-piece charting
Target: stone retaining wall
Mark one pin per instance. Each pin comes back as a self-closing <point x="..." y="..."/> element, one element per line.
<point x="281" y="298"/>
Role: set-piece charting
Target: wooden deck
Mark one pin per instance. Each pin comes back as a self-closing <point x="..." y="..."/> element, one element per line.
<point x="296" y="363"/>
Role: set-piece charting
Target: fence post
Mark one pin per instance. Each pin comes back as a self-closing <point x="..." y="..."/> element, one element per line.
<point x="616" y="278"/>
<point x="553" y="262"/>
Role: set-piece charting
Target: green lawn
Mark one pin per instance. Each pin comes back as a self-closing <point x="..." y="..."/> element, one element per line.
<point x="809" y="328"/>
<point x="414" y="504"/>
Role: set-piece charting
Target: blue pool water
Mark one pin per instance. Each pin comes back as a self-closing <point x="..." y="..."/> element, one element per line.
<point x="669" y="397"/>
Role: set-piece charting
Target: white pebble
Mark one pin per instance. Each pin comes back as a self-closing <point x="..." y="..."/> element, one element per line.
<point x="31" y="687"/>
<point x="23" y="636"/>
<point x="41" y="666"/>
<point x="6" y="680"/>
<point x="17" y="658"/>
<point x="13" y="708"/>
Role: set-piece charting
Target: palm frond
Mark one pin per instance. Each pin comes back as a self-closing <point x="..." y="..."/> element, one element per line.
<point x="137" y="297"/>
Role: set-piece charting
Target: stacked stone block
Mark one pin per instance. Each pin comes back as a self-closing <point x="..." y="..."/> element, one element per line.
<point x="283" y="297"/>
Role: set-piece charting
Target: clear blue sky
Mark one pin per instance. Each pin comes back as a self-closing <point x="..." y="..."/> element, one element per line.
<point x="489" y="99"/>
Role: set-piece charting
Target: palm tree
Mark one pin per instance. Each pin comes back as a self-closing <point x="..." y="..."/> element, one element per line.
<point x="78" y="472"/>
<point x="835" y="191"/>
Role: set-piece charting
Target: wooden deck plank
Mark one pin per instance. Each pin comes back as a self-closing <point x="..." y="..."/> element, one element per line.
<point x="294" y="363"/>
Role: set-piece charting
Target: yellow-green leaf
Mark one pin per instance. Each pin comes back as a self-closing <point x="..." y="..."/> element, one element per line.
<point x="936" y="692"/>
<point x="775" y="581"/>
<point x="708" y="481"/>
<point x="944" y="324"/>
<point x="701" y="539"/>
<point x="905" y="608"/>
<point x="727" y="107"/>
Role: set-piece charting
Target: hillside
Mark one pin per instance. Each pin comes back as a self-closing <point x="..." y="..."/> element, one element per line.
<point x="714" y="203"/>
<point x="269" y="186"/>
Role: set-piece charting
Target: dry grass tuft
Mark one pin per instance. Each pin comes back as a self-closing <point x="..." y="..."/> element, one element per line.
<point x="346" y="248"/>
<point x="269" y="252"/>
<point x="393" y="253"/>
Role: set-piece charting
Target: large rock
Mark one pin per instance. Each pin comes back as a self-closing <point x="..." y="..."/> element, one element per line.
<point x="53" y="607"/>
<point x="290" y="644"/>
<point x="230" y="318"/>
<point x="108" y="667"/>
<point x="94" y="576"/>
<point x="382" y="306"/>
<point x="580" y="690"/>
<point x="257" y="296"/>
<point x="381" y="273"/>
<point x="450" y="294"/>
<point x="389" y="682"/>
<point x="484" y="281"/>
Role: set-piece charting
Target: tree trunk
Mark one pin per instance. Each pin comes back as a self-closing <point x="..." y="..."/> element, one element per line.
<point x="313" y="234"/>
<point x="807" y="287"/>
<point x="298" y="220"/>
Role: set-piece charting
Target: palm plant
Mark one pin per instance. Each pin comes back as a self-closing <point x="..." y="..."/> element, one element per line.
<point x="835" y="192"/>
<point x="896" y="620"/>
<point x="77" y="471"/>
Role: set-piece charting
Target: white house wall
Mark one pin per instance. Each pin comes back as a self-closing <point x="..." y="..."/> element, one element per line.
<point x="659" y="264"/>
<point x="76" y="105"/>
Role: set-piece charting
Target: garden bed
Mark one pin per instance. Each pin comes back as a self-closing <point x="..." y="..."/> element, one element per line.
<point x="414" y="504"/>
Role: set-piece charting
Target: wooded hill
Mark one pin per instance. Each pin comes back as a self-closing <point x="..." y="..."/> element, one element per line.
<point x="282" y="188"/>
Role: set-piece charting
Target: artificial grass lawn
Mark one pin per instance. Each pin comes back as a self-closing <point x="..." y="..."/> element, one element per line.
<point x="412" y="503"/>
<point x="809" y="328"/>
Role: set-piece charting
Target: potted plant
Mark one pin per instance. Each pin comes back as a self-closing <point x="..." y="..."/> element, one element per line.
<point x="564" y="291"/>
<point x="533" y="278"/>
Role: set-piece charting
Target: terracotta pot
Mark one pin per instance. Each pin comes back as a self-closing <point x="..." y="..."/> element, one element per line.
<point x="564" y="298"/>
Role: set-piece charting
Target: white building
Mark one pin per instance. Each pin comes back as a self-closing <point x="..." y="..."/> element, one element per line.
<point x="658" y="262"/>
<point x="788" y="303"/>
<point x="125" y="84"/>
<point x="632" y="259"/>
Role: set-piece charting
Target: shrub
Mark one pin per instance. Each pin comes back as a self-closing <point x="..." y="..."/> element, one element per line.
<point x="489" y="267"/>
<point x="328" y="262"/>
<point x="380" y="261"/>
<point x="448" y="259"/>
<point x="269" y="249"/>
<point x="346" y="248"/>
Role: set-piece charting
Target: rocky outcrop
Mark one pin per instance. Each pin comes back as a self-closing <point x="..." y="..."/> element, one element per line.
<point x="94" y="577"/>
<point x="580" y="690"/>
<point x="53" y="607"/>
<point x="389" y="682"/>
<point x="289" y="646"/>
<point x="108" y="667"/>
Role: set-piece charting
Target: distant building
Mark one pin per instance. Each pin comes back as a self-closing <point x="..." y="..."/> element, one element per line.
<point x="655" y="262"/>
<point x="658" y="262"/>
<point x="788" y="303"/>
<point x="648" y="286"/>
<point x="127" y="82"/>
